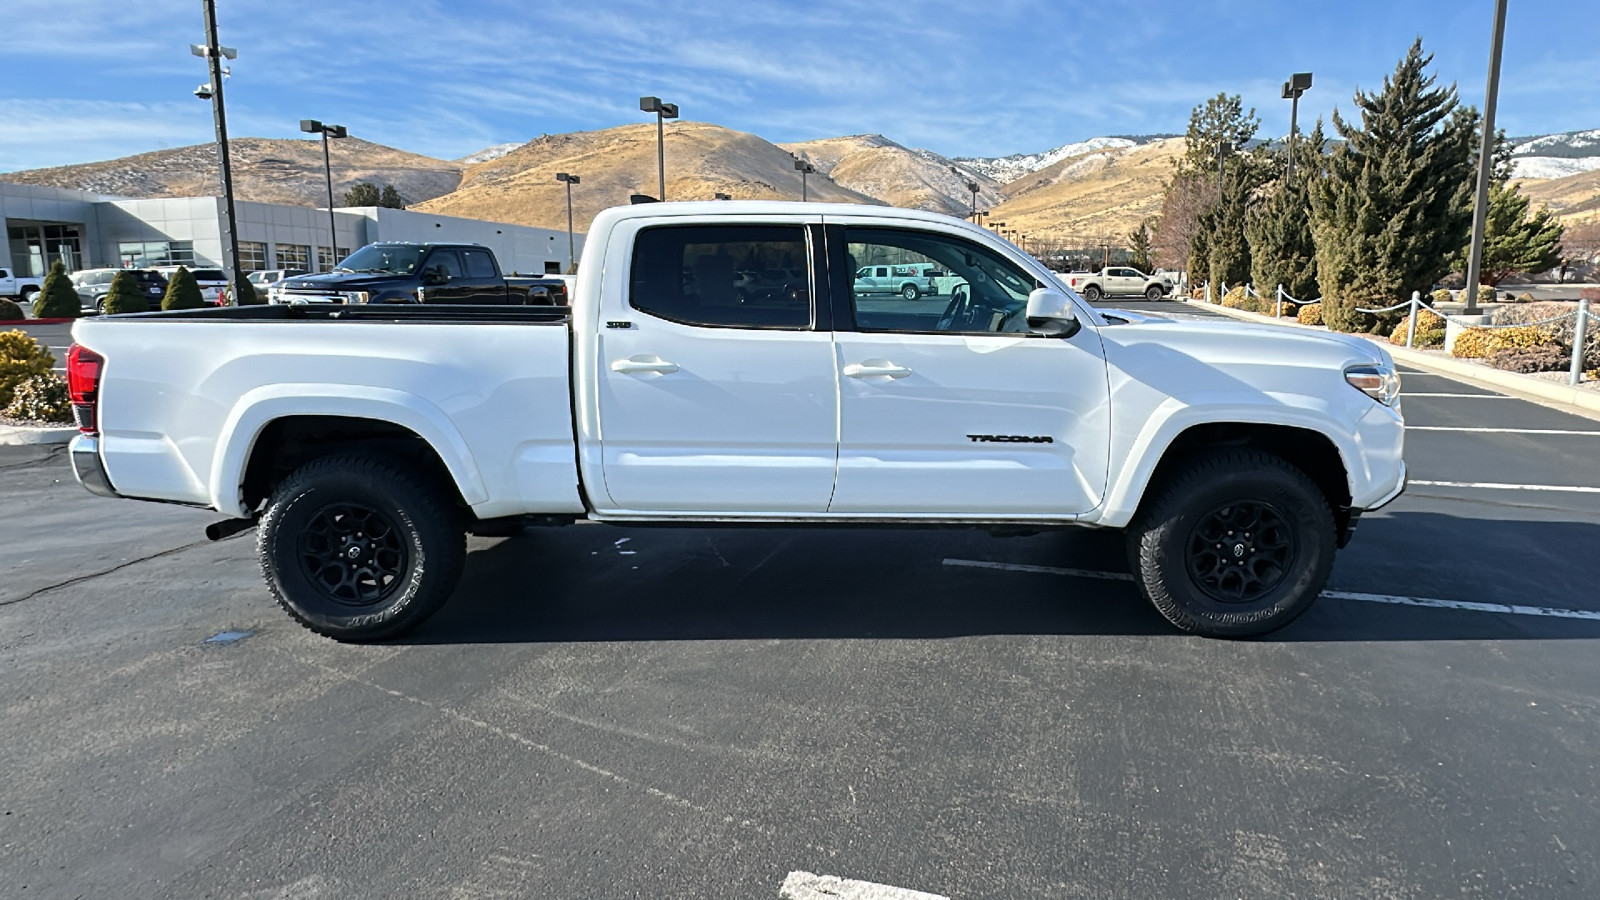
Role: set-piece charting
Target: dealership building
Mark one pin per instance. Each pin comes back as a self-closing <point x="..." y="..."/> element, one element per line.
<point x="85" y="230"/>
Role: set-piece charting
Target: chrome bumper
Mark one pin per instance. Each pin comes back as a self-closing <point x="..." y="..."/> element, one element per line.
<point x="86" y="465"/>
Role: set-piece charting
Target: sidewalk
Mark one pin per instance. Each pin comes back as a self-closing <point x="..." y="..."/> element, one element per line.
<point x="1577" y="400"/>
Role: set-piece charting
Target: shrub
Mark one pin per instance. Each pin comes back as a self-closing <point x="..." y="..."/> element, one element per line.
<point x="1544" y="358"/>
<point x="1239" y="298"/>
<point x="1430" y="330"/>
<point x="1480" y="343"/>
<point x="1311" y="314"/>
<point x="58" y="299"/>
<point x="124" y="295"/>
<point x="1525" y="298"/>
<point x="183" y="292"/>
<point x="1441" y="296"/>
<point x="41" y="398"/>
<point x="21" y="358"/>
<point x="10" y="311"/>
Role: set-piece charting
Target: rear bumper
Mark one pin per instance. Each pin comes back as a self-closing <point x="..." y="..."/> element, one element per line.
<point x="86" y="465"/>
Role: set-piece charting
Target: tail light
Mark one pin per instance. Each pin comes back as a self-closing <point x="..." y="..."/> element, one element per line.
<point x="83" y="383"/>
<point x="558" y="295"/>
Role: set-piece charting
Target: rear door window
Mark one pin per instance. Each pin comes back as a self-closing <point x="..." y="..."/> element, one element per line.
<point x="479" y="264"/>
<point x="691" y="274"/>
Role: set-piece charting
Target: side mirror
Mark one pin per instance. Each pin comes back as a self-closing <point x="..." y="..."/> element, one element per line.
<point x="1051" y="312"/>
<point x="435" y="275"/>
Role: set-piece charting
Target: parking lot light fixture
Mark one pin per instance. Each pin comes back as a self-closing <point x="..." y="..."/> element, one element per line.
<point x="312" y="126"/>
<point x="971" y="186"/>
<point x="569" y="180"/>
<point x="804" y="167"/>
<point x="663" y="112"/>
<point x="1298" y="84"/>
<point x="214" y="53"/>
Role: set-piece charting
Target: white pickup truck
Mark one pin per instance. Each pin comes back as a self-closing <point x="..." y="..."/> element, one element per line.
<point x="367" y="441"/>
<point x="22" y="288"/>
<point x="1118" y="281"/>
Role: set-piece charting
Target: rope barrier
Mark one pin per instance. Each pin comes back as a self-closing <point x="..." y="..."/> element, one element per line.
<point x="1404" y="305"/>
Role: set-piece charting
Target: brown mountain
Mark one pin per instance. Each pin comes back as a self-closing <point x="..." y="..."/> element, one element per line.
<point x="1102" y="193"/>
<point x="872" y="164"/>
<point x="1574" y="199"/>
<point x="701" y="159"/>
<point x="264" y="169"/>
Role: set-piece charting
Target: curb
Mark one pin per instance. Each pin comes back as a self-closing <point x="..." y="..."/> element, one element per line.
<point x="26" y="322"/>
<point x="20" y="435"/>
<point x="1578" y="401"/>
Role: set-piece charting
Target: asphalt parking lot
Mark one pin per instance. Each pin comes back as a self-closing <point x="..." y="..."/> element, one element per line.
<point x="674" y="713"/>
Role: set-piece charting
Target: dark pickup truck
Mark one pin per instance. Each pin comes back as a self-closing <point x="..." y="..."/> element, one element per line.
<point x="421" y="273"/>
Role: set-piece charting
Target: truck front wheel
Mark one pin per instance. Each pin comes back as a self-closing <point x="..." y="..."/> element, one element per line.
<point x="1235" y="544"/>
<point x="1092" y="293"/>
<point x="359" y="547"/>
<point x="1153" y="292"/>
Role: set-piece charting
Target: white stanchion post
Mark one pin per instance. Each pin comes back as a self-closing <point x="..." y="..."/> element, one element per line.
<point x="1277" y="308"/>
<point x="1208" y="290"/>
<point x="1578" y="337"/>
<point x="1411" y="327"/>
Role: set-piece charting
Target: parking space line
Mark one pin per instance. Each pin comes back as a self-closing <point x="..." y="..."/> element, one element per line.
<point x="806" y="886"/>
<point x="1446" y="394"/>
<point x="1497" y="486"/>
<point x="1391" y="599"/>
<point x="1498" y="430"/>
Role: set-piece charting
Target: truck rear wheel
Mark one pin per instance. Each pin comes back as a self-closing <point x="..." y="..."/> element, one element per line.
<point x="1091" y="293"/>
<point x="361" y="548"/>
<point x="910" y="292"/>
<point x="1235" y="544"/>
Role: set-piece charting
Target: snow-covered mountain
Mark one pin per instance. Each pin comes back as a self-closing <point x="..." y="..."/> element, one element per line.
<point x="488" y="153"/>
<point x="1556" y="155"/>
<point x="1009" y="168"/>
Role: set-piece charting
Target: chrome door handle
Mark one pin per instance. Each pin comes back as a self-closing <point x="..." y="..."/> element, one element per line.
<point x="644" y="364"/>
<point x="870" y="369"/>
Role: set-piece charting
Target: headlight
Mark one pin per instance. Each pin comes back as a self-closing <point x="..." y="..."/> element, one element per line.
<point x="1381" y="383"/>
<point x="355" y="296"/>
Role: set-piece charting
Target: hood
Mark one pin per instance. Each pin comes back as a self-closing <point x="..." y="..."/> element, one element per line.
<point x="1244" y="345"/>
<point x="339" y="281"/>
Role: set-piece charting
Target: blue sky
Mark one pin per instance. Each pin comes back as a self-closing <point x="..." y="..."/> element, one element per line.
<point x="93" y="79"/>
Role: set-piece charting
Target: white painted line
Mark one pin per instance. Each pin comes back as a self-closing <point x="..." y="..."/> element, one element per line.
<point x="1404" y="394"/>
<point x="1499" y="430"/>
<point x="1392" y="599"/>
<point x="1495" y="486"/>
<point x="806" y="886"/>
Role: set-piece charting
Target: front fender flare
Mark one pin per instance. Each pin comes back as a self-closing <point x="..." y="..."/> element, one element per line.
<point x="261" y="406"/>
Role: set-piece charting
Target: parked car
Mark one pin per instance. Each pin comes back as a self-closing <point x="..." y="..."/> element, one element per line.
<point x="366" y="442"/>
<point x="1120" y="281"/>
<point x="909" y="281"/>
<point x="267" y="281"/>
<point x="93" y="284"/>
<point x="418" y="273"/>
<point x="212" y="281"/>
<point x="19" y="287"/>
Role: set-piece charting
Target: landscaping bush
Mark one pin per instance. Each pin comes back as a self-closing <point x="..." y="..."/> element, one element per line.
<point x="1527" y="360"/>
<point x="10" y="311"/>
<point x="1525" y="298"/>
<point x="1289" y="310"/>
<point x="58" y="299"/>
<point x="1430" y="330"/>
<point x="183" y="292"/>
<point x="41" y="398"/>
<point x="1480" y="343"/>
<point x="1239" y="298"/>
<point x="125" y="295"/>
<point x="1310" y="314"/>
<point x="21" y="358"/>
<point x="1441" y="296"/>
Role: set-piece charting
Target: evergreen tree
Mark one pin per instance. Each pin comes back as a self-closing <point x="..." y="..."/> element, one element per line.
<point x="125" y="295"/>
<point x="364" y="193"/>
<point x="390" y="198"/>
<point x="1139" y="243"/>
<point x="1514" y="241"/>
<point x="1395" y="207"/>
<point x="1229" y="251"/>
<point x="183" y="292"/>
<point x="1199" y="265"/>
<point x="1281" y="247"/>
<point x="1222" y="118"/>
<point x="57" y="299"/>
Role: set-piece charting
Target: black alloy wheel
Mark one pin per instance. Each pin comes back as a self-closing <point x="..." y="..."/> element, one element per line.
<point x="353" y="554"/>
<point x="1091" y="293"/>
<point x="1240" y="552"/>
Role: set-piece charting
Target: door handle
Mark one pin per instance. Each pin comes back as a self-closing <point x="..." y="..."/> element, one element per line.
<point x="644" y="364"/>
<point x="875" y="368"/>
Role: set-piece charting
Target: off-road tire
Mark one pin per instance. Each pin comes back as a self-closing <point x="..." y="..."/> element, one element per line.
<point x="1092" y="293"/>
<point x="1163" y="538"/>
<point x="428" y="537"/>
<point x="910" y="292"/>
<point x="1154" y="292"/>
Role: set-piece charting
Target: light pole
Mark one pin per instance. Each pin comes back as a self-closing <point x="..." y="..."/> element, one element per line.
<point x="569" y="180"/>
<point x="1485" y="159"/>
<point x="971" y="186"/>
<point x="804" y="167"/>
<point x="1224" y="150"/>
<point x="663" y="111"/>
<point x="1298" y="84"/>
<point x="213" y="53"/>
<point x="312" y="126"/>
<point x="999" y="227"/>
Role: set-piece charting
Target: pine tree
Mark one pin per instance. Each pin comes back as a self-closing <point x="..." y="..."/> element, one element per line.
<point x="1395" y="206"/>
<point x="183" y="292"/>
<point x="1222" y="118"/>
<point x="1199" y="265"/>
<point x="390" y="198"/>
<point x="1281" y="247"/>
<point x="1229" y="251"/>
<point x="1139" y="243"/>
<point x="364" y="193"/>
<point x="125" y="295"/>
<point x="1514" y="241"/>
<point x="57" y="299"/>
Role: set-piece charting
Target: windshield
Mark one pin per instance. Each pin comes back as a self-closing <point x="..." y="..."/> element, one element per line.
<point x="390" y="258"/>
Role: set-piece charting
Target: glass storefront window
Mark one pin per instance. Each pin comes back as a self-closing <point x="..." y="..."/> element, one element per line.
<point x="293" y="256"/>
<point x="145" y="254"/>
<point x="34" y="247"/>
<point x="252" y="256"/>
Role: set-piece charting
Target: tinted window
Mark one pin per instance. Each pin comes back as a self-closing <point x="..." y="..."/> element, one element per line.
<point x="691" y="274"/>
<point x="209" y="275"/>
<point x="985" y="293"/>
<point x="446" y="259"/>
<point x="479" y="264"/>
